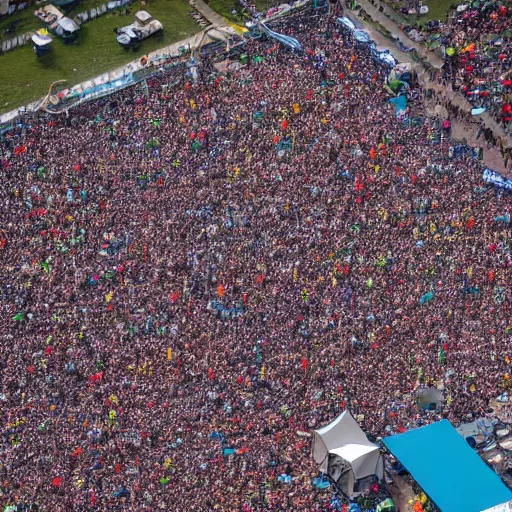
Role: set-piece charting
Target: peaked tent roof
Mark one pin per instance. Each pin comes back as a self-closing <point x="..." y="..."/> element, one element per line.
<point x="342" y="430"/>
<point x="345" y="438"/>
<point x="448" y="469"/>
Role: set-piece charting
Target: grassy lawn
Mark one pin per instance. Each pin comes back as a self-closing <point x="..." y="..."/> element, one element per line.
<point x="26" y="78"/>
<point x="437" y="10"/>
<point x="85" y="5"/>
<point x="25" y="21"/>
<point x="226" y="8"/>
<point x="21" y="21"/>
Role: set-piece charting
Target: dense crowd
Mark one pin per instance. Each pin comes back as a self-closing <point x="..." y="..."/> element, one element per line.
<point x="193" y="277"/>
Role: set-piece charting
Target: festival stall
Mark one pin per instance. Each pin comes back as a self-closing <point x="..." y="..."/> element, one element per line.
<point x="342" y="451"/>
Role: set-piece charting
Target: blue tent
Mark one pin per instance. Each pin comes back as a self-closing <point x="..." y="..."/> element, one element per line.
<point x="450" y="472"/>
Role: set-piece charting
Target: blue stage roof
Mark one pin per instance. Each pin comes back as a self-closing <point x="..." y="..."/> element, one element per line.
<point x="450" y="472"/>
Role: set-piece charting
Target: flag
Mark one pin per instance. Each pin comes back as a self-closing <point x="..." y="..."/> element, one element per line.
<point x="441" y="355"/>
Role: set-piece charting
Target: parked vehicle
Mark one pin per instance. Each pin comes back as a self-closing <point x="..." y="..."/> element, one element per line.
<point x="143" y="27"/>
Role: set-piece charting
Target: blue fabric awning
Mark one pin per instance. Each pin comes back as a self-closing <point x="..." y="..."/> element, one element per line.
<point x="450" y="472"/>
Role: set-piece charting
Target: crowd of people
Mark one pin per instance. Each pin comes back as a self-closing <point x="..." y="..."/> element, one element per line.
<point x="195" y="276"/>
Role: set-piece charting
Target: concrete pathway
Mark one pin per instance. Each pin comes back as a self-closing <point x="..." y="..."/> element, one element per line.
<point x="214" y="18"/>
<point x="381" y="41"/>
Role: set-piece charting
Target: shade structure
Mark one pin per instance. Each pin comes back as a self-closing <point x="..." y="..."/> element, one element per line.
<point x="342" y="450"/>
<point x="68" y="25"/>
<point x="143" y="16"/>
<point x="361" y="36"/>
<point x="40" y="39"/>
<point x="347" y="22"/>
<point x="450" y="472"/>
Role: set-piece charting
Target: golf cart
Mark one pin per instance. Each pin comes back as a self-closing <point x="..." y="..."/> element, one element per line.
<point x="143" y="27"/>
<point x="42" y="41"/>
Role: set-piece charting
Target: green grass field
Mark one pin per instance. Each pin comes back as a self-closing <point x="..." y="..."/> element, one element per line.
<point x="26" y="78"/>
<point x="21" y="22"/>
<point x="232" y="10"/>
<point x="437" y="10"/>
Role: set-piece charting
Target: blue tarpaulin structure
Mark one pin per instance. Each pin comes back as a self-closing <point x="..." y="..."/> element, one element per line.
<point x="450" y="472"/>
<point x="400" y="103"/>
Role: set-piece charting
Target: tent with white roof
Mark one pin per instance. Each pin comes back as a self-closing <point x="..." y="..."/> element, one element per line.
<point x="342" y="450"/>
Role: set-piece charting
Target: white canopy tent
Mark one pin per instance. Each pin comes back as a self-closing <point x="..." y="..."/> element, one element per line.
<point x="342" y="450"/>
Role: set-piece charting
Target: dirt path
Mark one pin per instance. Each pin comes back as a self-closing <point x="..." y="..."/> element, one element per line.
<point x="401" y="492"/>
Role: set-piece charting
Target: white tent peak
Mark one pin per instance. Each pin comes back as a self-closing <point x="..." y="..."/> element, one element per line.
<point x="343" y="451"/>
<point x="343" y="427"/>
